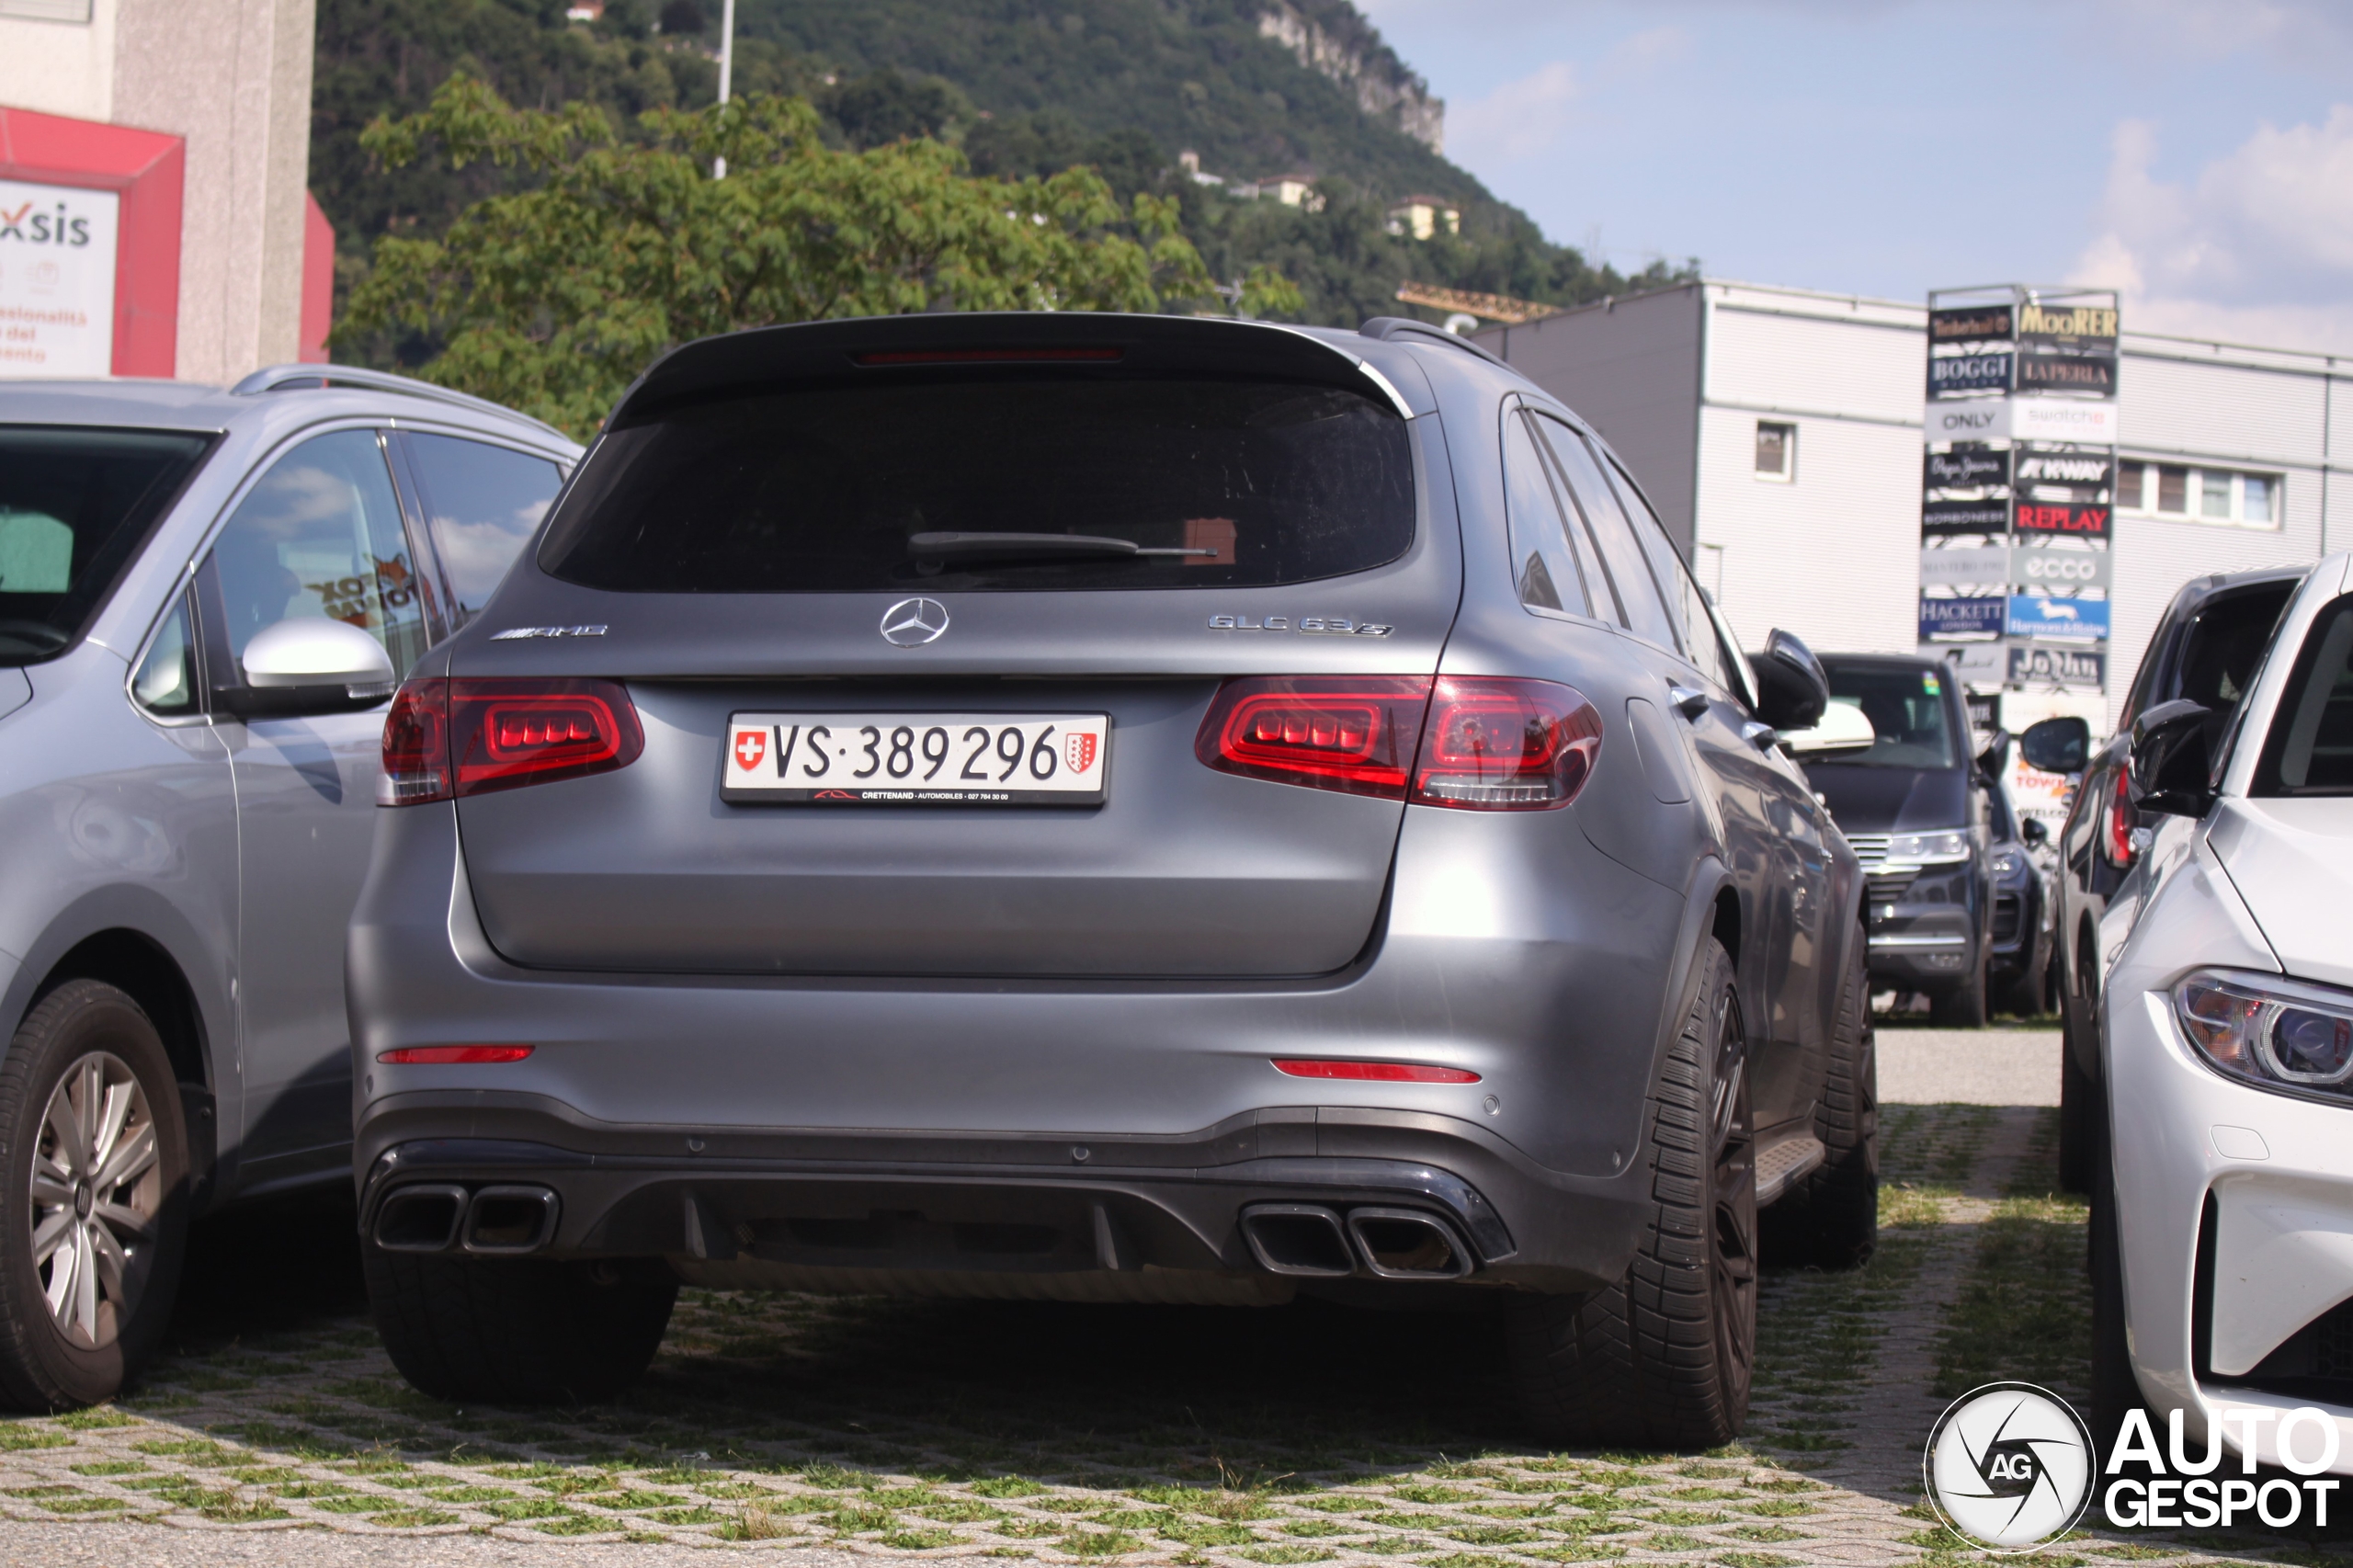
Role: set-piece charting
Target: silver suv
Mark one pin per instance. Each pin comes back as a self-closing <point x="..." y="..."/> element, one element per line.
<point x="1105" y="809"/>
<point x="206" y="600"/>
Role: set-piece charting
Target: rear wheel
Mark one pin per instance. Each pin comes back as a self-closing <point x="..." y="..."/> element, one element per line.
<point x="1664" y="1358"/>
<point x="517" y="1331"/>
<point x="1962" y="1007"/>
<point x="1831" y="1218"/>
<point x="93" y="1198"/>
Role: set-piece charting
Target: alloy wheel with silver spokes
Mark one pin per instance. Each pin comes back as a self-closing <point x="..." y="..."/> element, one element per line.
<point x="96" y="1186"/>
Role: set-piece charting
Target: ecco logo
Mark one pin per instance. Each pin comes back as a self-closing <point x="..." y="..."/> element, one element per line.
<point x="2057" y="566"/>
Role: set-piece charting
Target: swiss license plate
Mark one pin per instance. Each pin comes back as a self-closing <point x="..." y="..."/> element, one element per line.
<point x="916" y="759"/>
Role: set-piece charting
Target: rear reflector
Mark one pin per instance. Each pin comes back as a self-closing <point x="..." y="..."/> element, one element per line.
<point x="449" y="738"/>
<point x="436" y="1054"/>
<point x="1472" y="743"/>
<point x="1373" y="1072"/>
<point x="986" y="355"/>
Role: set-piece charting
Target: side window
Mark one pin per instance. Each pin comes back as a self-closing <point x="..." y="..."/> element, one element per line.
<point x="321" y="535"/>
<point x="1542" y="559"/>
<point x="1635" y="587"/>
<point x="1684" y="604"/>
<point x="166" y="684"/>
<point x="482" y="503"/>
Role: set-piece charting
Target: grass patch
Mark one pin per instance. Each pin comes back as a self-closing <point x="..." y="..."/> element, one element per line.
<point x="110" y="1467"/>
<point x="411" y="1518"/>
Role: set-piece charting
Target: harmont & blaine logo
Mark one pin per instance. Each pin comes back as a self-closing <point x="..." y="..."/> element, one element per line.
<point x="2009" y="1467"/>
<point x="911" y="623"/>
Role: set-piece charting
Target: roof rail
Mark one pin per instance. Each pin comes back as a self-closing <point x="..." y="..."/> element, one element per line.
<point x="309" y="377"/>
<point x="1388" y="329"/>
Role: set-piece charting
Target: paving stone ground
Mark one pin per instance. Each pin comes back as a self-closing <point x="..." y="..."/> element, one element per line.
<point x="276" y="1432"/>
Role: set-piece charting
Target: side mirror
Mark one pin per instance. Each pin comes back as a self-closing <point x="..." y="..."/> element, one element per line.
<point x="2171" y="769"/>
<point x="309" y="664"/>
<point x="2057" y="746"/>
<point x="1994" y="760"/>
<point x="1841" y="727"/>
<point x="1791" y="690"/>
<point x="2035" y="831"/>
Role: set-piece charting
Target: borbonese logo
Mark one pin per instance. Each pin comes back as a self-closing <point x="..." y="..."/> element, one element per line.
<point x="2009" y="1467"/>
<point x="911" y="623"/>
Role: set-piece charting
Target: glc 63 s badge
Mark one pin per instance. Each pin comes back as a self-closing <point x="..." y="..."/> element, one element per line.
<point x="1313" y="625"/>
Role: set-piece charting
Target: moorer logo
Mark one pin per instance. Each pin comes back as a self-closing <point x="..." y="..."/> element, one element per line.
<point x="2169" y="1488"/>
<point x="2009" y="1467"/>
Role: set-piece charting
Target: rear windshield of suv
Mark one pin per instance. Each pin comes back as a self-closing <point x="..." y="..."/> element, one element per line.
<point x="74" y="507"/>
<point x="1908" y="712"/>
<point x="1131" y="483"/>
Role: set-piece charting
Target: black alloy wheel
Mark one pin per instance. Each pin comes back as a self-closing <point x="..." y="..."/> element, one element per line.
<point x="1732" y="1251"/>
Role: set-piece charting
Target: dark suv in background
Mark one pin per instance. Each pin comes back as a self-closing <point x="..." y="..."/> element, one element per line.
<point x="1117" y="808"/>
<point x="2205" y="649"/>
<point x="1918" y="807"/>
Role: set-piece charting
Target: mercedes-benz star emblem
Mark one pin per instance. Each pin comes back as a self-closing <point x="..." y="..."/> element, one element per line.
<point x="911" y="623"/>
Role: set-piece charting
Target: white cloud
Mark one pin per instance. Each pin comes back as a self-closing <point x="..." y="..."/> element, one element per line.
<point x="1534" y="113"/>
<point x="2259" y="246"/>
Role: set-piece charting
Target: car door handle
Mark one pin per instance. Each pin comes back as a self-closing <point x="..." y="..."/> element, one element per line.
<point x="1688" y="701"/>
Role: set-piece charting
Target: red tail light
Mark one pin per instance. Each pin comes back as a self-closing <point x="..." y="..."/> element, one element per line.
<point x="1474" y="743"/>
<point x="1373" y="1072"/>
<point x="438" y="1055"/>
<point x="448" y="738"/>
<point x="1495" y="744"/>
<point x="1353" y="733"/>
<point x="2120" y="819"/>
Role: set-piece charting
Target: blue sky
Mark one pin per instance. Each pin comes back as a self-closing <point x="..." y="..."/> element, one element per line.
<point x="2196" y="153"/>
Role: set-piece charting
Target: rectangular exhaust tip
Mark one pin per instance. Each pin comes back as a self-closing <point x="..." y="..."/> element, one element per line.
<point x="1405" y="1243"/>
<point x="510" y="1220"/>
<point x="420" y="1218"/>
<point x="1297" y="1239"/>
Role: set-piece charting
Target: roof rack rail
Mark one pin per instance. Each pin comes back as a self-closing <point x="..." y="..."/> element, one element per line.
<point x="307" y="377"/>
<point x="1387" y="329"/>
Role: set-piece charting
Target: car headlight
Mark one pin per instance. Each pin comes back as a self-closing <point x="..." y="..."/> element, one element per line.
<point x="2276" y="1033"/>
<point x="1927" y="848"/>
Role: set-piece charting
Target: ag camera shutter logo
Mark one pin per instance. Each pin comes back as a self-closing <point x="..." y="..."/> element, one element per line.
<point x="2009" y="1467"/>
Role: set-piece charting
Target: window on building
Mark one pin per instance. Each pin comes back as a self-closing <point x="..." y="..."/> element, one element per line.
<point x="1777" y="452"/>
<point x="2202" y="494"/>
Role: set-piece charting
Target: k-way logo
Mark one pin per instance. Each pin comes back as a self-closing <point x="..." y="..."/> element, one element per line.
<point x="58" y="228"/>
<point x="2052" y="467"/>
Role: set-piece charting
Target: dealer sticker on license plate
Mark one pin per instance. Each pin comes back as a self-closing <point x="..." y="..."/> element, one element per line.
<point x="916" y="759"/>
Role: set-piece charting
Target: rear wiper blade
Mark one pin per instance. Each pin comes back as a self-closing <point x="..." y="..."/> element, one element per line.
<point x="941" y="546"/>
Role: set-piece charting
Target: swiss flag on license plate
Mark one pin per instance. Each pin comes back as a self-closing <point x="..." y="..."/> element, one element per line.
<point x="750" y="746"/>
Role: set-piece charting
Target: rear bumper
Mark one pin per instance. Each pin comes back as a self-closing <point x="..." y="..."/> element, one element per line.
<point x="870" y="1210"/>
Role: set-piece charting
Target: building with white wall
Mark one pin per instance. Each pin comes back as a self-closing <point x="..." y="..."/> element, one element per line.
<point x="93" y="94"/>
<point x="1780" y="432"/>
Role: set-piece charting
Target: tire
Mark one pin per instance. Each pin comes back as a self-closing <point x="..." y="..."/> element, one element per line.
<point x="1664" y="1358"/>
<point x="1963" y="1007"/>
<point x="2115" y="1391"/>
<point x="2078" y="1094"/>
<point x="105" y="1195"/>
<point x="2022" y="996"/>
<point x="516" y="1331"/>
<point x="1830" y="1219"/>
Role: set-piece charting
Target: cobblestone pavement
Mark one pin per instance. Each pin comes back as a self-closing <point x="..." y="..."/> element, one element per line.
<point x="1068" y="1434"/>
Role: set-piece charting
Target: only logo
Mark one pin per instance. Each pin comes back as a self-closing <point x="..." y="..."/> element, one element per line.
<point x="750" y="746"/>
<point x="1079" y="752"/>
<point x="911" y="623"/>
<point x="2009" y="1467"/>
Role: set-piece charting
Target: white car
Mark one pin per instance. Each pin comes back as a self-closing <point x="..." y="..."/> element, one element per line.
<point x="2223" y="1216"/>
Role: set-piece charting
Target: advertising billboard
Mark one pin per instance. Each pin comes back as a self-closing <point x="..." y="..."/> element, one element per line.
<point x="1942" y="618"/>
<point x="57" y="279"/>
<point x="2065" y="620"/>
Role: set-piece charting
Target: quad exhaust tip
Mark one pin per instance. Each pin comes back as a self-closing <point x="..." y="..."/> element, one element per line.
<point x="494" y="1221"/>
<point x="1311" y="1241"/>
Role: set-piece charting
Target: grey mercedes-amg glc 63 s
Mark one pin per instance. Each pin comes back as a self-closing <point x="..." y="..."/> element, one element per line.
<point x="1105" y="809"/>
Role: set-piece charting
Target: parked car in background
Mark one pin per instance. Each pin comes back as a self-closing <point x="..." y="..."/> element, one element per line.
<point x="206" y="600"/>
<point x="1915" y="806"/>
<point x="2204" y="650"/>
<point x="2222" y="1174"/>
<point x="2017" y="968"/>
<point x="1107" y="808"/>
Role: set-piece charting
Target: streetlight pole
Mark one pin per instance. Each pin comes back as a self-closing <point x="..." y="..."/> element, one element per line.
<point x="726" y="70"/>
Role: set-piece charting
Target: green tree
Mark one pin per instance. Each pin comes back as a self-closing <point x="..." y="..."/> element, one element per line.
<point x="553" y="299"/>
